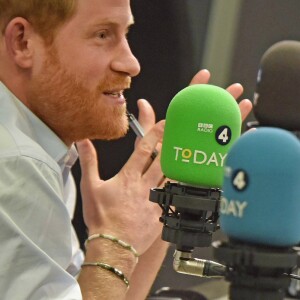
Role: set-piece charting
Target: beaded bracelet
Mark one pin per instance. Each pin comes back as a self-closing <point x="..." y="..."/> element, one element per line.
<point x="114" y="240"/>
<point x="109" y="268"/>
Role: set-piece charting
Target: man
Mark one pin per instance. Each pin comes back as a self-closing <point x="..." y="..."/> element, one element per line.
<point x="64" y="66"/>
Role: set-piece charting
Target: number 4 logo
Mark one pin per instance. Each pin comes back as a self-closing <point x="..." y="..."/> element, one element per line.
<point x="240" y="180"/>
<point x="223" y="135"/>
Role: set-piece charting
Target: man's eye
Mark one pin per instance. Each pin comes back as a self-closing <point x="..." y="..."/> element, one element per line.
<point x="102" y="35"/>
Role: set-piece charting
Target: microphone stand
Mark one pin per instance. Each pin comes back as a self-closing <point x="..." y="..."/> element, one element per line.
<point x="255" y="271"/>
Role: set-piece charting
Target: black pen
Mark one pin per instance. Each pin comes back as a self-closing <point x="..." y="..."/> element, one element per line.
<point x="138" y="129"/>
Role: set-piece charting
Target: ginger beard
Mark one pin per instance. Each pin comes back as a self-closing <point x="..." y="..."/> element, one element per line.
<point x="61" y="100"/>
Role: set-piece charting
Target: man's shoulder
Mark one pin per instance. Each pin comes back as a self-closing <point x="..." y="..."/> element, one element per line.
<point x="16" y="144"/>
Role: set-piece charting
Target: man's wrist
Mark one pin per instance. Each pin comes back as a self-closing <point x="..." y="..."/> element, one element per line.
<point x="115" y="240"/>
<point x="105" y="251"/>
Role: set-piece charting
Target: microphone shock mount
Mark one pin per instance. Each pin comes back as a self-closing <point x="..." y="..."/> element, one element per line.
<point x="189" y="214"/>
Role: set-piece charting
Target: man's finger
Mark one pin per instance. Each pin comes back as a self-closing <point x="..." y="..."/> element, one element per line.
<point x="88" y="160"/>
<point x="245" y="108"/>
<point x="202" y="77"/>
<point x="235" y="90"/>
<point x="139" y="160"/>
<point x="146" y="115"/>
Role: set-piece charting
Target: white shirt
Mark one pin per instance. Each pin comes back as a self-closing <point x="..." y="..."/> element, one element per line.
<point x="40" y="254"/>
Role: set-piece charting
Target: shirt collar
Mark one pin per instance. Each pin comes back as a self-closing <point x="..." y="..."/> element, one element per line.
<point x="69" y="159"/>
<point x="30" y="124"/>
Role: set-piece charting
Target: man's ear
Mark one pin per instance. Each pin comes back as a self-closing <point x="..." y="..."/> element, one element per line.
<point x="18" y="37"/>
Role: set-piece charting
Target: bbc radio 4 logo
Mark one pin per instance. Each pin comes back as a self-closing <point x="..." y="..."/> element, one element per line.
<point x="222" y="135"/>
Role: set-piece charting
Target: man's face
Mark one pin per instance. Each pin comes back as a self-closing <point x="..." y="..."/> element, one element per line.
<point x="77" y="90"/>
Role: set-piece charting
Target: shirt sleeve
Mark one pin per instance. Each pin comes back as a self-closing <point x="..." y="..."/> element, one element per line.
<point x="36" y="233"/>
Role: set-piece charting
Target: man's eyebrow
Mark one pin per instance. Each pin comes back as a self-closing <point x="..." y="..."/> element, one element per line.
<point x="110" y="22"/>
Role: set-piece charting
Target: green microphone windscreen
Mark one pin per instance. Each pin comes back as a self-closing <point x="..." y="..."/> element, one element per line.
<point x="202" y="123"/>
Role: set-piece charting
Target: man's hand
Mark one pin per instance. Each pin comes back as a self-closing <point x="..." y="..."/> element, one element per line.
<point x="236" y="90"/>
<point x="120" y="206"/>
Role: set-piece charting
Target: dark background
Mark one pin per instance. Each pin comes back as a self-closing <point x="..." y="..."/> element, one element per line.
<point x="170" y="39"/>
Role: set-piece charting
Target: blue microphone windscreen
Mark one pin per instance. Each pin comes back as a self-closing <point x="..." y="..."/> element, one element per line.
<point x="261" y="190"/>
